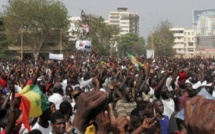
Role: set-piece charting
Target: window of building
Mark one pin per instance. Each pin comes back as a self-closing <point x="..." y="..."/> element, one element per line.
<point x="188" y="33"/>
<point x="190" y="44"/>
<point x="190" y="50"/>
<point x="179" y="49"/>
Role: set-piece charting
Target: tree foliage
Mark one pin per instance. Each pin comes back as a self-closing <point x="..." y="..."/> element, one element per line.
<point x="38" y="20"/>
<point x="161" y="40"/>
<point x="131" y="43"/>
<point x="3" y="40"/>
<point x="102" y="35"/>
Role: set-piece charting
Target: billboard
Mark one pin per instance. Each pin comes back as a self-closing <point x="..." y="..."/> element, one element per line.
<point x="150" y="53"/>
<point x="83" y="45"/>
<point x="204" y="22"/>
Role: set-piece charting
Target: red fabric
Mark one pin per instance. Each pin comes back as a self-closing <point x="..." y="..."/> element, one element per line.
<point x="29" y="82"/>
<point x="3" y="132"/>
<point x="3" y="82"/>
<point x="25" y="108"/>
<point x="112" y="65"/>
<point x="182" y="77"/>
<point x="48" y="86"/>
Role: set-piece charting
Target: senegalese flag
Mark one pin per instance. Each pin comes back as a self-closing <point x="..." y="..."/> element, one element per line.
<point x="33" y="103"/>
<point x="112" y="65"/>
<point x="134" y="60"/>
<point x="103" y="63"/>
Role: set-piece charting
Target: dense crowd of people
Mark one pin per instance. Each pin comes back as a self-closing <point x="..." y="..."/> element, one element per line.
<point x="89" y="93"/>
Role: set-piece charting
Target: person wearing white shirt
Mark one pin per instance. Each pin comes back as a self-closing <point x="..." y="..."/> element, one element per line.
<point x="57" y="97"/>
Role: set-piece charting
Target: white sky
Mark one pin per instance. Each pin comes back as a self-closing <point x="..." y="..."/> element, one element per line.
<point x="151" y="12"/>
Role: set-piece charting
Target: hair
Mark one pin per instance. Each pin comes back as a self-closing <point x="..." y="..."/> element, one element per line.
<point x="135" y="112"/>
<point x="56" y="115"/>
<point x="87" y="76"/>
<point x="51" y="103"/>
<point x="35" y="131"/>
<point x="141" y="105"/>
<point x="193" y="92"/>
<point x="155" y="101"/>
<point x="65" y="107"/>
<point x="209" y="89"/>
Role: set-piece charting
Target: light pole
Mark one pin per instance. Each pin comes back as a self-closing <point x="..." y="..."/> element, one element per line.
<point x="21" y="37"/>
<point x="60" y="44"/>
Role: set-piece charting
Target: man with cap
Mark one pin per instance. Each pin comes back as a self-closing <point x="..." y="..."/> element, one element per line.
<point x="57" y="96"/>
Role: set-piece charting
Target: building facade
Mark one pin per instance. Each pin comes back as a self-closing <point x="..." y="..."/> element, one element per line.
<point x="127" y="22"/>
<point x="184" y="41"/>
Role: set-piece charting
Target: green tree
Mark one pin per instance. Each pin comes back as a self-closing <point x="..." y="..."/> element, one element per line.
<point x="37" y="20"/>
<point x="161" y="40"/>
<point x="3" y="40"/>
<point x="131" y="43"/>
<point x="139" y="47"/>
<point x="102" y="35"/>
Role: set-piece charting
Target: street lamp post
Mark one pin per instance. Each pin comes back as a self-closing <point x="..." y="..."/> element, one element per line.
<point x="21" y="37"/>
<point x="60" y="44"/>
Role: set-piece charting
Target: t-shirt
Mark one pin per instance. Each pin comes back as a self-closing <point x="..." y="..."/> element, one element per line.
<point x="169" y="107"/>
<point x="164" y="124"/>
<point x="124" y="108"/>
<point x="42" y="129"/>
<point x="57" y="99"/>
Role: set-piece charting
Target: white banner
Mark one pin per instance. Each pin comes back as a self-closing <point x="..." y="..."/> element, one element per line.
<point x="83" y="45"/>
<point x="55" y="56"/>
<point x="150" y="53"/>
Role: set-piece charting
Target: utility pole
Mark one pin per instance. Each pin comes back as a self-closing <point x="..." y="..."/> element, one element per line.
<point x="21" y="44"/>
<point x="60" y="41"/>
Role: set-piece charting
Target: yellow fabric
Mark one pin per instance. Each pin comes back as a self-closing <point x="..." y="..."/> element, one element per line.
<point x="90" y="130"/>
<point x="34" y="100"/>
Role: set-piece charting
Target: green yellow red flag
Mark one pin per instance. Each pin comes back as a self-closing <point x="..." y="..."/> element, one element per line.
<point x="33" y="103"/>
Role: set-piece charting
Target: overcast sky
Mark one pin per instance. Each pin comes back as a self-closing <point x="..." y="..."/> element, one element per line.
<point x="151" y="12"/>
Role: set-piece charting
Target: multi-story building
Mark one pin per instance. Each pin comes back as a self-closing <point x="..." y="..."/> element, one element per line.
<point x="128" y="22"/>
<point x="184" y="41"/>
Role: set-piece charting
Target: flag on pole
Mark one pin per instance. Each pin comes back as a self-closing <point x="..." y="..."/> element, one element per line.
<point x="33" y="103"/>
<point x="134" y="60"/>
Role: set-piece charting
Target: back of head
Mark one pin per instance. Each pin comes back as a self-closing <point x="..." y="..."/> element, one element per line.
<point x="55" y="116"/>
<point x="65" y="107"/>
<point x="142" y="105"/>
<point x="57" y="88"/>
<point x="87" y="76"/>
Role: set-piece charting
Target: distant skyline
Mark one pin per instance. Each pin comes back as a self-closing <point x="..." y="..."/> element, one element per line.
<point x="178" y="12"/>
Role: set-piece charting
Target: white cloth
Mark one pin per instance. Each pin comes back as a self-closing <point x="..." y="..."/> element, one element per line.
<point x="168" y="82"/>
<point x="169" y="107"/>
<point x="194" y="85"/>
<point x="23" y="129"/>
<point x="57" y="99"/>
<point x="42" y="129"/>
<point x="86" y="85"/>
<point x="205" y="83"/>
<point x="17" y="88"/>
<point x="151" y="94"/>
<point x="64" y="84"/>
